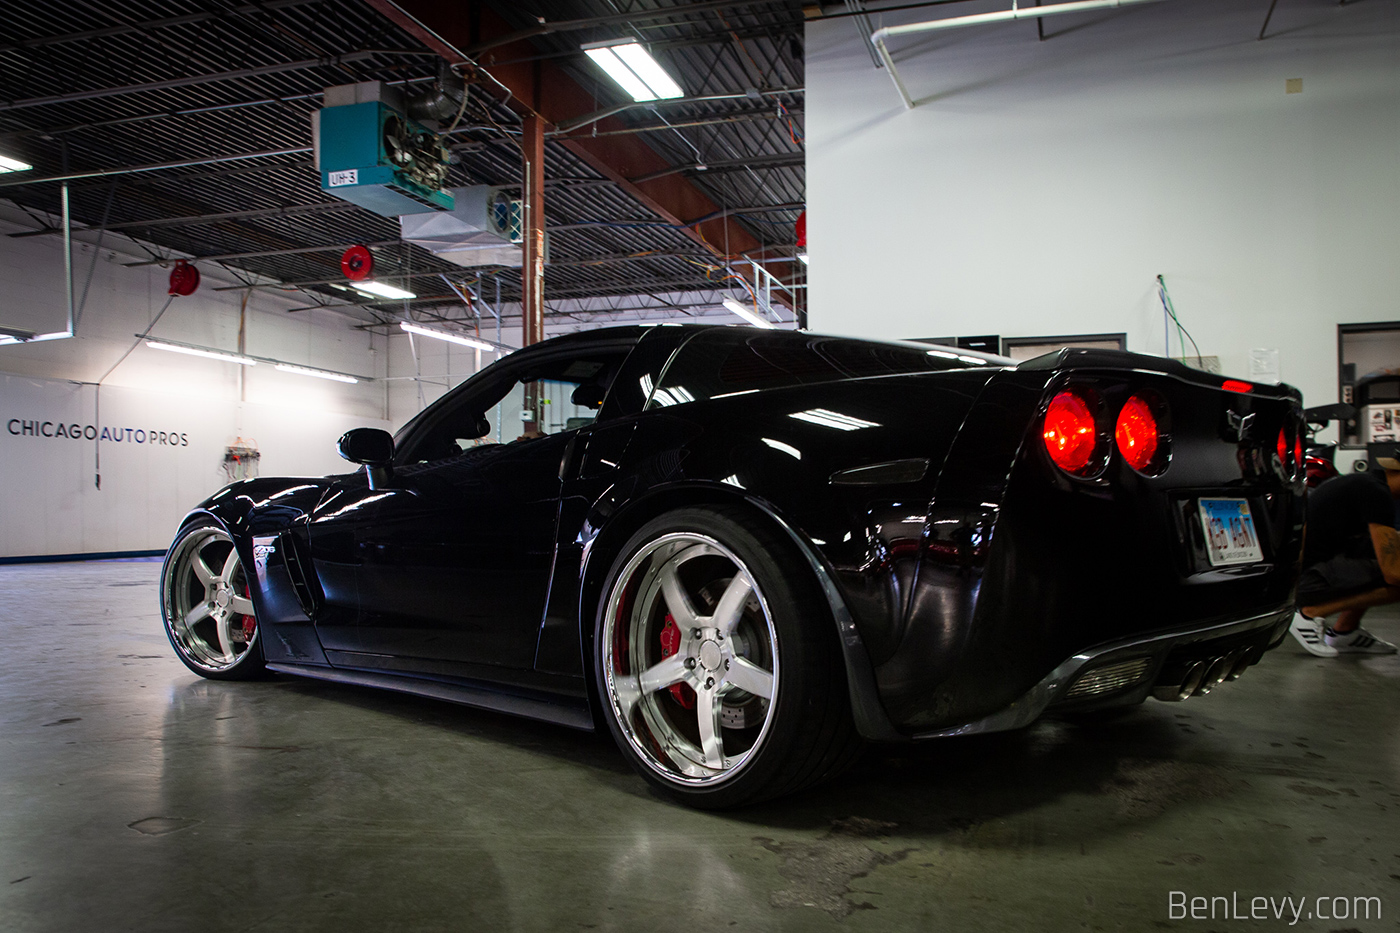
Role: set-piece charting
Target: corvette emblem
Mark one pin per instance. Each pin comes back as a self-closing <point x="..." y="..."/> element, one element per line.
<point x="261" y="552"/>
<point x="1237" y="426"/>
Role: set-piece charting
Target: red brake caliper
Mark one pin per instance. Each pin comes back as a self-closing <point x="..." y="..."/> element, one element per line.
<point x="670" y="644"/>
<point x="250" y="624"/>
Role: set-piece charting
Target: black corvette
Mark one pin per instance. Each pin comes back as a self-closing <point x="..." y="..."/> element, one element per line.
<point x="768" y="546"/>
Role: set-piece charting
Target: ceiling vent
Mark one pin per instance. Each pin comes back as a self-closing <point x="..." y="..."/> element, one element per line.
<point x="484" y="228"/>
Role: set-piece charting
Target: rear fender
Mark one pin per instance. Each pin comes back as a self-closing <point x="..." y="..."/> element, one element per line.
<point x="609" y="526"/>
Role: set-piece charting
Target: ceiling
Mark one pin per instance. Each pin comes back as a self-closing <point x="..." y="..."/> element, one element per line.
<point x="201" y="110"/>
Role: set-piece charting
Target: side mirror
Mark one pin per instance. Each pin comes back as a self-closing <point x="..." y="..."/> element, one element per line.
<point x="372" y="447"/>
<point x="481" y="427"/>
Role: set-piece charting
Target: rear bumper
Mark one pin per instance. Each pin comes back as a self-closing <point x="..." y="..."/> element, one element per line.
<point x="1165" y="654"/>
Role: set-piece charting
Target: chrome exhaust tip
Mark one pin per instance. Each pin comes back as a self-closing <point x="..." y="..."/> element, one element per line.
<point x="1194" y="679"/>
<point x="1241" y="660"/>
<point x="1217" y="670"/>
<point x="1190" y="681"/>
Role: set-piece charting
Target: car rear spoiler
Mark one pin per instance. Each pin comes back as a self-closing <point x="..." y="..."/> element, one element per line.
<point x="1071" y="358"/>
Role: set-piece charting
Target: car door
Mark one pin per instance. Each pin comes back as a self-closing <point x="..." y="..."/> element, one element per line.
<point x="452" y="562"/>
<point x="451" y="559"/>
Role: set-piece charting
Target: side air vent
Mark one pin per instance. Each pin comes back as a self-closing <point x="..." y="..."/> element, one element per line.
<point x="308" y="594"/>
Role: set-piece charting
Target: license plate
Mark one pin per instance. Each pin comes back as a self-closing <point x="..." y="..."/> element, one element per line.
<point x="1230" y="534"/>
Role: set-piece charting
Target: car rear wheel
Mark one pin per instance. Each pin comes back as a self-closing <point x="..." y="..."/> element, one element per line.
<point x="205" y="603"/>
<point x="717" y="663"/>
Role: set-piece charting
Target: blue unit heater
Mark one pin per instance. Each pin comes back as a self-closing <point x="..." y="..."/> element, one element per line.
<point x="371" y="154"/>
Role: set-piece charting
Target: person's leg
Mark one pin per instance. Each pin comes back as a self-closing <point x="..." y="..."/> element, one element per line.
<point x="1344" y="635"/>
<point x="1348" y="620"/>
<point x="1349" y="609"/>
<point x="1342" y="588"/>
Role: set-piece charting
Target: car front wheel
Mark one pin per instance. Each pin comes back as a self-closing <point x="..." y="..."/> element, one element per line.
<point x="717" y="662"/>
<point x="206" y="607"/>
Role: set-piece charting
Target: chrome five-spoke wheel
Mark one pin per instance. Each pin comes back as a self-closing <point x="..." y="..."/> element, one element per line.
<point x="691" y="666"/>
<point x="717" y="670"/>
<point x="206" y="606"/>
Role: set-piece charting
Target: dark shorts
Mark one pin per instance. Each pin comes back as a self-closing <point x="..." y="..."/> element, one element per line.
<point x="1337" y="578"/>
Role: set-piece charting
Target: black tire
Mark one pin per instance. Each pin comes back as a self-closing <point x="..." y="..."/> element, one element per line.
<point x="205" y="605"/>
<point x="760" y="663"/>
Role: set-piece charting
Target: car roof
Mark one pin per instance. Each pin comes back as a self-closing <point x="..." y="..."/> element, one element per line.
<point x="635" y="332"/>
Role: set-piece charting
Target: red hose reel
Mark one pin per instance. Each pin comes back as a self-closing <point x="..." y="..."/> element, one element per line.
<point x="184" y="278"/>
<point x="357" y="263"/>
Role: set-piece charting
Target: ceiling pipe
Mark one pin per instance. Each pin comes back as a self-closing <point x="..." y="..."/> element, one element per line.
<point x="1016" y="12"/>
<point x="155" y="167"/>
<point x="180" y="112"/>
<point x="11" y="335"/>
<point x="258" y="254"/>
<point x="569" y="126"/>
<point x="128" y="28"/>
<point x="192" y="81"/>
<point x="636" y="16"/>
<point x="68" y="257"/>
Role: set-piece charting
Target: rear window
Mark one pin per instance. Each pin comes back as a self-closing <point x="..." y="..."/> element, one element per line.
<point x="740" y="360"/>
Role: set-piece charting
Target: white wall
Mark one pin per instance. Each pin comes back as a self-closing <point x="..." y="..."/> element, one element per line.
<point x="1039" y="187"/>
<point x="51" y="504"/>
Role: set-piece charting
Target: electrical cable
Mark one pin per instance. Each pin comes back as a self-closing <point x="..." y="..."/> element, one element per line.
<point x="97" y="393"/>
<point x="1181" y="328"/>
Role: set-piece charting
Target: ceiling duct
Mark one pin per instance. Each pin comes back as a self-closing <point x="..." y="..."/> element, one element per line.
<point x="444" y="101"/>
<point x="484" y="228"/>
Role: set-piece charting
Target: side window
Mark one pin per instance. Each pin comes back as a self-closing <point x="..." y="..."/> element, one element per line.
<point x="739" y="360"/>
<point x="461" y="423"/>
<point x="569" y="390"/>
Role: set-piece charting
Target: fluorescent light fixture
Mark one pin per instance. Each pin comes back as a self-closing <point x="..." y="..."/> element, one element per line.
<point x="318" y="373"/>
<point x="196" y="351"/>
<point x="833" y="419"/>
<point x="16" y="336"/>
<point x="380" y="290"/>
<point x="641" y="63"/>
<point x="450" y="338"/>
<point x="747" y="313"/>
<point x="8" y="164"/>
<point x="635" y="71"/>
<point x="802" y="258"/>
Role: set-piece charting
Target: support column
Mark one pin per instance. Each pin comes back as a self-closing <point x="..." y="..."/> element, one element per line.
<point x="532" y="286"/>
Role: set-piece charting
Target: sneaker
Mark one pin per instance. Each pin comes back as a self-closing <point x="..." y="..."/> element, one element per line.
<point x="1309" y="633"/>
<point x="1357" y="641"/>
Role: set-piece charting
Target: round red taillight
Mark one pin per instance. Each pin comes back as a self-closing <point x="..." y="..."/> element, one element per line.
<point x="1071" y="433"/>
<point x="1298" y="459"/>
<point x="1138" y="434"/>
<point x="1283" y="445"/>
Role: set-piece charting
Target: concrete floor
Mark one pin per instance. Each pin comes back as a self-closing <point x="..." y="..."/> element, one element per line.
<point x="136" y="796"/>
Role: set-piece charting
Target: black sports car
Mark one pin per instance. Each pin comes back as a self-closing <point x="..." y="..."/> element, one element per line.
<point x="767" y="546"/>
